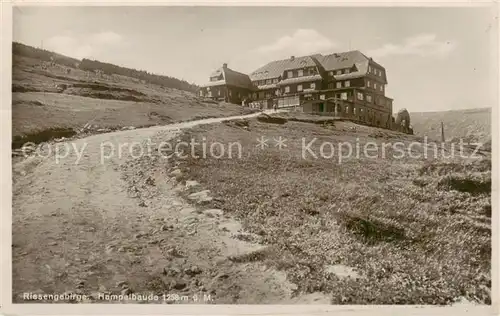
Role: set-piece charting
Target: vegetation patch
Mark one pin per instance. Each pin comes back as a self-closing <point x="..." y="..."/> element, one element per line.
<point x="271" y="119"/>
<point x="411" y="242"/>
<point x="22" y="88"/>
<point x="470" y="183"/>
<point x="42" y="136"/>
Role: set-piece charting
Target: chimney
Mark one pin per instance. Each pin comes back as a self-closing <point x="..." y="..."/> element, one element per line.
<point x="292" y="58"/>
<point x="224" y="65"/>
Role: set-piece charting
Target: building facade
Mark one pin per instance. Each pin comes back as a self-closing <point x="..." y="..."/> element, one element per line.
<point x="227" y="85"/>
<point x="348" y="85"/>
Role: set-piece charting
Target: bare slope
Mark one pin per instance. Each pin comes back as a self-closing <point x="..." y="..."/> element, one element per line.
<point x="472" y="125"/>
<point x="120" y="227"/>
<point x="53" y="98"/>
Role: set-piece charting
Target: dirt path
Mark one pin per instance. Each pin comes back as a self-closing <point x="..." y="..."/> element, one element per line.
<point x="119" y="227"/>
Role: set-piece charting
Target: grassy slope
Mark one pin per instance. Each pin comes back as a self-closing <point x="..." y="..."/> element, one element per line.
<point x="418" y="231"/>
<point x="114" y="103"/>
<point x="474" y="124"/>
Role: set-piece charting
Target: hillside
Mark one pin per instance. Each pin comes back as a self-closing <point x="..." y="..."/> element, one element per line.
<point x="474" y="125"/>
<point x="19" y="49"/>
<point x="50" y="100"/>
<point x="409" y="230"/>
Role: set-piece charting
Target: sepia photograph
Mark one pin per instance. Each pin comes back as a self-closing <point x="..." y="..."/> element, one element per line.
<point x="265" y="155"/>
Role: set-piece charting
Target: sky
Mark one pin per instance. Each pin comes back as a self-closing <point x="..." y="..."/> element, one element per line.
<point x="435" y="58"/>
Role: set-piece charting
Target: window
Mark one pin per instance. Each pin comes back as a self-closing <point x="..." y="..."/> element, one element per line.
<point x="339" y="72"/>
<point x="290" y="74"/>
<point x="313" y="85"/>
<point x="381" y="87"/>
<point x="360" y="96"/>
<point x="287" y="89"/>
<point x="330" y="73"/>
<point x="275" y="80"/>
<point x="322" y="97"/>
<point x="347" y="109"/>
<point x="268" y="81"/>
<point x="369" y="69"/>
<point x="299" y="87"/>
<point x="375" y="86"/>
<point x="354" y="110"/>
<point x="218" y="93"/>
<point x="254" y="96"/>
<point x="369" y="98"/>
<point x="201" y="93"/>
<point x="347" y="71"/>
<point x="209" y="94"/>
<point x="268" y="95"/>
<point x="343" y="95"/>
<point x="368" y="83"/>
<point x="339" y="85"/>
<point x="312" y="71"/>
<point x="347" y="83"/>
<point x="301" y="72"/>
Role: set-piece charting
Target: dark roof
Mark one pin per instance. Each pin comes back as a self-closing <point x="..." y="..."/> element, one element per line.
<point x="347" y="60"/>
<point x="231" y="78"/>
<point x="276" y="68"/>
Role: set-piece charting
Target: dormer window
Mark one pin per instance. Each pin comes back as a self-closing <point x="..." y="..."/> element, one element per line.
<point x="275" y="80"/>
<point x="339" y="72"/>
<point x="290" y="74"/>
<point x="268" y="81"/>
<point x="301" y="72"/>
<point x="346" y="71"/>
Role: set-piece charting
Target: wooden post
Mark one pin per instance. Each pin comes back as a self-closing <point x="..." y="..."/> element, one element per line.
<point x="442" y="132"/>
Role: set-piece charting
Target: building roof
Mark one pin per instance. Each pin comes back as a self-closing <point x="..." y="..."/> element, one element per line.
<point x="276" y="68"/>
<point x="230" y="78"/>
<point x="347" y="60"/>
